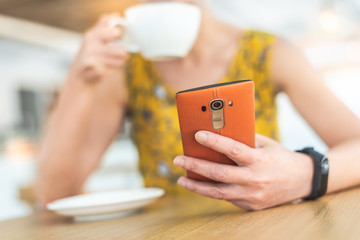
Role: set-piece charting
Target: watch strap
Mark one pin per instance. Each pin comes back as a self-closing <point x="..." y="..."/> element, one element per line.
<point x="321" y="172"/>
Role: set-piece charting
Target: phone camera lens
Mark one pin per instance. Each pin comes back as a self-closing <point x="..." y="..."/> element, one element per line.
<point x="217" y="104"/>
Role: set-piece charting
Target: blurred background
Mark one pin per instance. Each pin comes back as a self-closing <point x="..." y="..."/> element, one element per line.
<point x="39" y="39"/>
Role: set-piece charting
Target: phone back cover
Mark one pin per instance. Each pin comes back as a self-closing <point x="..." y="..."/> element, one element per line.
<point x="239" y="119"/>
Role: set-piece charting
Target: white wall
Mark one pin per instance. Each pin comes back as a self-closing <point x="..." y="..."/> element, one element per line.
<point x="26" y="66"/>
<point x="284" y="17"/>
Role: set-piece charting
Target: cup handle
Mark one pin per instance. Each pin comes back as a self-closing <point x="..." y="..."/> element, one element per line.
<point x="126" y="40"/>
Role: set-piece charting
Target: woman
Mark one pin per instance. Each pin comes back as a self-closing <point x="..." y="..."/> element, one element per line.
<point x="105" y="83"/>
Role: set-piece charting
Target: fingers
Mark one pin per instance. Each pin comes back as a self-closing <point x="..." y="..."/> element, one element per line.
<point x="97" y="62"/>
<point x="213" y="190"/>
<point x="94" y="67"/>
<point x="109" y="34"/>
<point x="103" y="35"/>
<point x="243" y="204"/>
<point x="102" y="57"/>
<point x="98" y="48"/>
<point x="114" y="51"/>
<point x="98" y="53"/>
<point x="240" y="153"/>
<point x="103" y="31"/>
<point x="215" y="171"/>
<point x="104" y="20"/>
<point x="112" y="62"/>
<point x="236" y="194"/>
<point x="114" y="57"/>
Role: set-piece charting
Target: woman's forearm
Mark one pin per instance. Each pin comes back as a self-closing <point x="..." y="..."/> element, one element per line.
<point x="60" y="156"/>
<point x="87" y="116"/>
<point x="344" y="165"/>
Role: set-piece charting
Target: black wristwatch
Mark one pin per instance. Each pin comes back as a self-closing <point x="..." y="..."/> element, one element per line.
<point x="321" y="172"/>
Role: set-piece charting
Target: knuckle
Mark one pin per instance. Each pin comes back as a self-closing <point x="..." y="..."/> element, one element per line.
<point x="260" y="181"/>
<point x="259" y="197"/>
<point x="216" y="193"/>
<point x="235" y="148"/>
<point x="257" y="200"/>
<point x="255" y="207"/>
<point x="190" y="186"/>
<point x="192" y="165"/>
<point x="219" y="174"/>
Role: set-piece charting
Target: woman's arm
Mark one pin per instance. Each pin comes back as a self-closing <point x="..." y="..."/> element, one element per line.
<point x="87" y="115"/>
<point x="336" y="125"/>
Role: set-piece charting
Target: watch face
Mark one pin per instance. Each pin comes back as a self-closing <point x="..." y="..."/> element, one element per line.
<point x="324" y="166"/>
<point x="324" y="173"/>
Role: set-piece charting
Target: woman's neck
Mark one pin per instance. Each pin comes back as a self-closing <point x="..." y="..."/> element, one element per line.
<point x="214" y="35"/>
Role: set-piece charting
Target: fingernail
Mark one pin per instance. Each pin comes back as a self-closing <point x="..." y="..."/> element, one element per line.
<point x="179" y="161"/>
<point x="182" y="182"/>
<point x="201" y="136"/>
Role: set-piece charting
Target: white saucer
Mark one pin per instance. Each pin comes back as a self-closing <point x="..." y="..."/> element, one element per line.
<point x="105" y="203"/>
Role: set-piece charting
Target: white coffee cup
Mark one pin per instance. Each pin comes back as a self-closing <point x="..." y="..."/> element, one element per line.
<point x="160" y="31"/>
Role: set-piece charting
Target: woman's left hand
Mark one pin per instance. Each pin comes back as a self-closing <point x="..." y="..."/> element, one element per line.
<point x="266" y="176"/>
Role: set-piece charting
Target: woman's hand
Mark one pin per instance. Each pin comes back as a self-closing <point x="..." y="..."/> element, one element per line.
<point x="97" y="54"/>
<point x="264" y="177"/>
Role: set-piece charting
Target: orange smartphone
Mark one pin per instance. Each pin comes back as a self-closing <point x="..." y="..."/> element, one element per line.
<point x="227" y="109"/>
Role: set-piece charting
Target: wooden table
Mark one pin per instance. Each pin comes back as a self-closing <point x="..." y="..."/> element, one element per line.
<point x="193" y="217"/>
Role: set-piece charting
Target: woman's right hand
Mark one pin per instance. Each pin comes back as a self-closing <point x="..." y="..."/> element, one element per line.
<point x="97" y="54"/>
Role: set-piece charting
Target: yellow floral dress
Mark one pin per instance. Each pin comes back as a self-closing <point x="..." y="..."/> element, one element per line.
<point x="152" y="107"/>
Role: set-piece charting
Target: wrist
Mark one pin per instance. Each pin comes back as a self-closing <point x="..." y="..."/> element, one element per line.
<point x="321" y="172"/>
